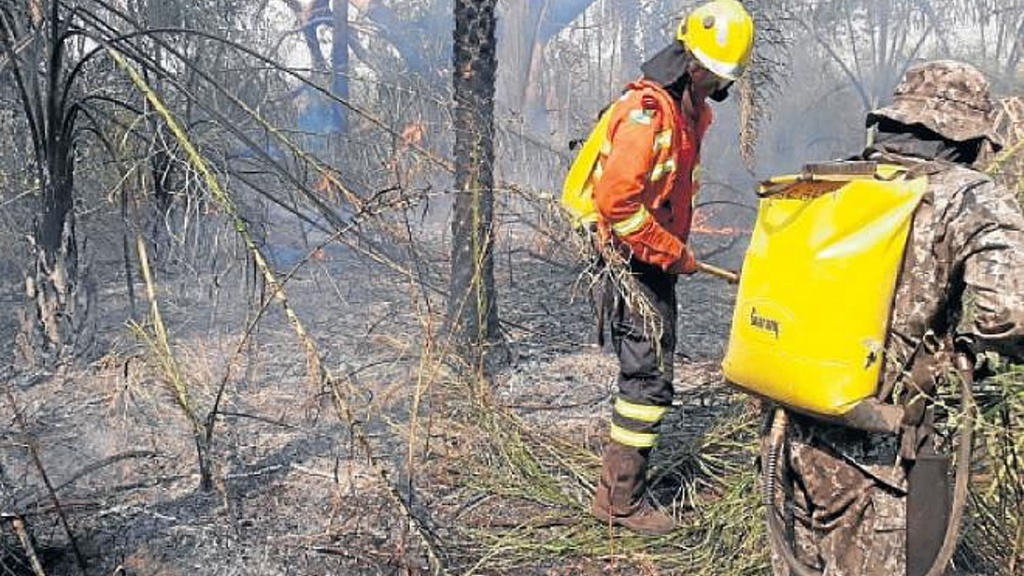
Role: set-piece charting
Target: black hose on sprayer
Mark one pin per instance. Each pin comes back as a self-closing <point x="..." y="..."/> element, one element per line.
<point x="776" y="441"/>
<point x="776" y="531"/>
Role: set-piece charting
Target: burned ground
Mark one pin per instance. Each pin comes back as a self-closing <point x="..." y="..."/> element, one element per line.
<point x="458" y="474"/>
<point x="432" y="470"/>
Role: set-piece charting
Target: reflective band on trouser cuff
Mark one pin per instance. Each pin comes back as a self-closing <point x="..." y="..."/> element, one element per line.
<point x="663" y="140"/>
<point x="720" y="68"/>
<point x="640" y="412"/>
<point x="634" y="439"/>
<point x="598" y="171"/>
<point x="606" y="148"/>
<point x="666" y="167"/>
<point x="631" y="224"/>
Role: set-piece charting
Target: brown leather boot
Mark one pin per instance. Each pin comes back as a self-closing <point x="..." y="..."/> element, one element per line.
<point x="619" y="499"/>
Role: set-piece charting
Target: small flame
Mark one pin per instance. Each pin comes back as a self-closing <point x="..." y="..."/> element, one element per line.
<point x="327" y="189"/>
<point x="323" y="184"/>
<point x="412" y="134"/>
<point x="702" y="225"/>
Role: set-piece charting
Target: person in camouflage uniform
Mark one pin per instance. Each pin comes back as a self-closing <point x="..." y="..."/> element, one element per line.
<point x="843" y="492"/>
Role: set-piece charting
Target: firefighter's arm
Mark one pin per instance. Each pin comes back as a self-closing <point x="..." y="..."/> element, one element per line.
<point x="992" y="252"/>
<point x="618" y="194"/>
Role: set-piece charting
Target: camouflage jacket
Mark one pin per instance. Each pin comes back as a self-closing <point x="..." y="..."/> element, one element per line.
<point x="963" y="272"/>
<point x="963" y="277"/>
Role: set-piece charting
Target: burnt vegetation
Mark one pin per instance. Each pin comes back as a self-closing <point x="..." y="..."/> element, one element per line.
<point x="287" y="291"/>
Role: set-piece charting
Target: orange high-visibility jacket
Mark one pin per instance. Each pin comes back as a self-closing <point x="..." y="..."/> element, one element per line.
<point x="643" y="180"/>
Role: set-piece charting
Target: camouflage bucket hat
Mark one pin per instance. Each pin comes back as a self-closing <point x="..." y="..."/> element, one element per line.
<point x="947" y="97"/>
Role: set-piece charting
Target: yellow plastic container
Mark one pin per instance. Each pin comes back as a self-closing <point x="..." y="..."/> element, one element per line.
<point x="812" y="313"/>
<point x="578" y="189"/>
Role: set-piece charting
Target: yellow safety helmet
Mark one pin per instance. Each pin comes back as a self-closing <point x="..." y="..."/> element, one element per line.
<point x="720" y="34"/>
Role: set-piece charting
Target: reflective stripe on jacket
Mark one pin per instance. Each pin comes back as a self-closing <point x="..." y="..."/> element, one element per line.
<point x="643" y="181"/>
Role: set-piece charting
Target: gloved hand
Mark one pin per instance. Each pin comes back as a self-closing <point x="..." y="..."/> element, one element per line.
<point x="687" y="263"/>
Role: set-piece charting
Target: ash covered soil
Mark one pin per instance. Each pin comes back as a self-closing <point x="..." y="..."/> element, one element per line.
<point x="296" y="488"/>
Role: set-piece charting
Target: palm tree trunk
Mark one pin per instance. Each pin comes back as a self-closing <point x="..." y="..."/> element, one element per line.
<point x="472" y="313"/>
<point x="57" y="302"/>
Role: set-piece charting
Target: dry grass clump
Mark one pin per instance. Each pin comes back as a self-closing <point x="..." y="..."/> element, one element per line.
<point x="994" y="536"/>
<point x="526" y="491"/>
<point x="994" y="530"/>
<point x="526" y="495"/>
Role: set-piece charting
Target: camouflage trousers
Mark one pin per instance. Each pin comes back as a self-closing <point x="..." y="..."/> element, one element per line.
<point x="840" y="519"/>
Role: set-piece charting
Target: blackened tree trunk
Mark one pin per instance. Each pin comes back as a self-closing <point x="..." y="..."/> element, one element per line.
<point x="57" y="303"/>
<point x="339" y="62"/>
<point x="57" y="299"/>
<point x="472" y="313"/>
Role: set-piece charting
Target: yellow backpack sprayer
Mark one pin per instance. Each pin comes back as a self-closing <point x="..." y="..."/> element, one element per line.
<point x="818" y="282"/>
<point x="813" y="310"/>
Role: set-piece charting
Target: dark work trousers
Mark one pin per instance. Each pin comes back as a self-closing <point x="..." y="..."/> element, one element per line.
<point x="645" y="370"/>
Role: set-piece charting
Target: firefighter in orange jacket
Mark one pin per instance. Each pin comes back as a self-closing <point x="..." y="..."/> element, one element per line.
<point x="643" y="190"/>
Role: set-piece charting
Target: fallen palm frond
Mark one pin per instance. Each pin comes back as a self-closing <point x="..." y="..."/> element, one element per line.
<point x="227" y="204"/>
<point x="529" y="495"/>
<point x="994" y="533"/>
<point x="158" y="341"/>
